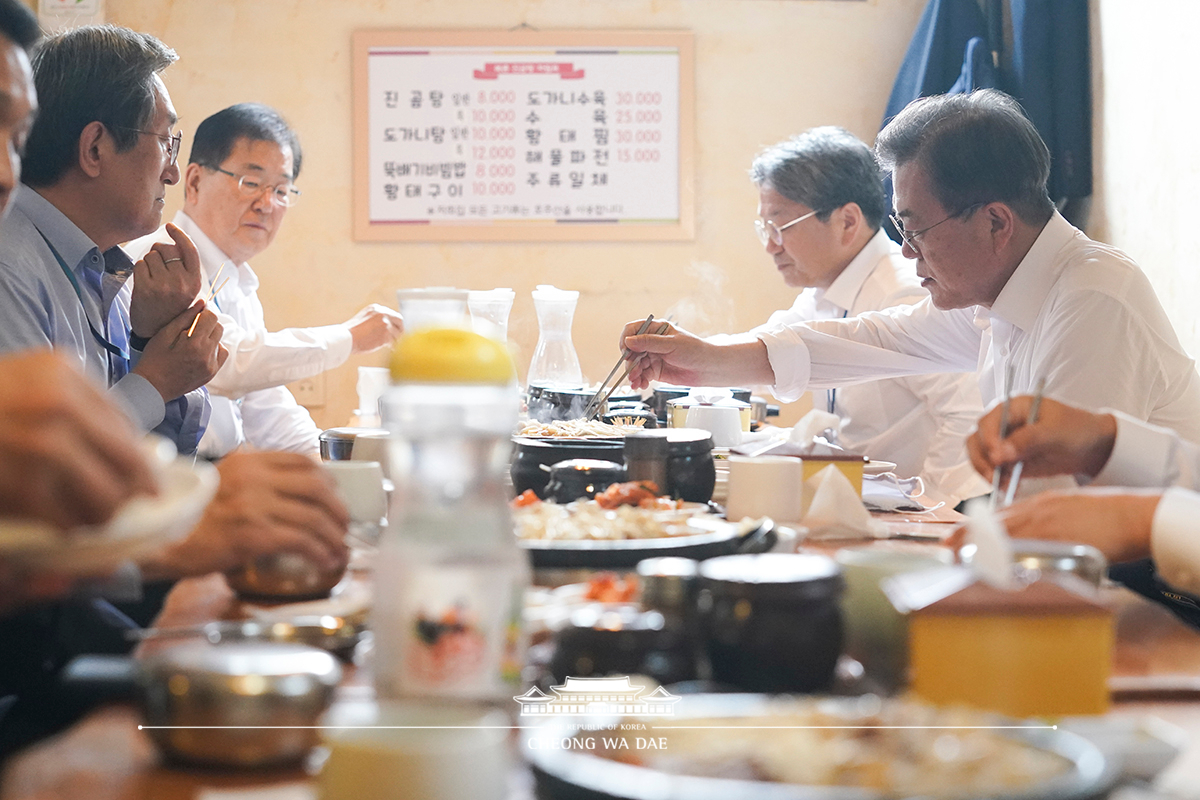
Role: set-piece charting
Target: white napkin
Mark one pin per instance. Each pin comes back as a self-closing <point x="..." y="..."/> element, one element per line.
<point x="711" y="395"/>
<point x="993" y="558"/>
<point x="835" y="510"/>
<point x="813" y="424"/>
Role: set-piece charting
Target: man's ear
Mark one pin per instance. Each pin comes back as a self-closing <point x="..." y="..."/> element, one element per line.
<point x="850" y="219"/>
<point x="95" y="144"/>
<point x="1003" y="225"/>
<point x="191" y="183"/>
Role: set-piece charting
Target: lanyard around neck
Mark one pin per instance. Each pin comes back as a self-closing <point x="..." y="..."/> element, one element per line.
<point x="100" y="339"/>
<point x="831" y="395"/>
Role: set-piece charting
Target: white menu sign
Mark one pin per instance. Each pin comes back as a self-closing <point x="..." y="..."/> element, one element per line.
<point x="528" y="140"/>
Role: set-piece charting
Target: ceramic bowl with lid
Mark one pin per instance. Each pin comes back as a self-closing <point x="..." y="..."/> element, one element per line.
<point x="582" y="478"/>
<point x="772" y="621"/>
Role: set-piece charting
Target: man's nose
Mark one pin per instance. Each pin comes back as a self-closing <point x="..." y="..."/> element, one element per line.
<point x="10" y="173"/>
<point x="908" y="250"/>
<point x="171" y="175"/>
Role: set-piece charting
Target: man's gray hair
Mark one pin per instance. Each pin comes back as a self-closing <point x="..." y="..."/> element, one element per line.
<point x="94" y="73"/>
<point x="974" y="148"/>
<point x="824" y="169"/>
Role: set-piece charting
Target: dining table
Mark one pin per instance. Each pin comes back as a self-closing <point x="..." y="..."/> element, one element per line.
<point x="105" y="756"/>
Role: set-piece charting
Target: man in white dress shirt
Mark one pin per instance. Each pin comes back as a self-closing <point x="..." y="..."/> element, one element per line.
<point x="821" y="204"/>
<point x="239" y="184"/>
<point x="1015" y="289"/>
<point x="1153" y="515"/>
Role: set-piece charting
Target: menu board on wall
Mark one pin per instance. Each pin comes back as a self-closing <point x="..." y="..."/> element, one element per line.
<point x="580" y="135"/>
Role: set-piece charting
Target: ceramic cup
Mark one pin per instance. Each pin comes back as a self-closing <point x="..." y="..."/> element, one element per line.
<point x="765" y="486"/>
<point x="723" y="422"/>
<point x="877" y="634"/>
<point x="360" y="485"/>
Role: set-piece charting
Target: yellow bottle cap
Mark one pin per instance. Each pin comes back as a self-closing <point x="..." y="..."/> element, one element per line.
<point x="450" y="355"/>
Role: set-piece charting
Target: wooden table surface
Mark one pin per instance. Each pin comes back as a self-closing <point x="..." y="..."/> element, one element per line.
<point x="105" y="757"/>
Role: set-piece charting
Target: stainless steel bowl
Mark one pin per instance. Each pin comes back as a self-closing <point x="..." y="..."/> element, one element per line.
<point x="337" y="444"/>
<point x="245" y="704"/>
<point x="1035" y="558"/>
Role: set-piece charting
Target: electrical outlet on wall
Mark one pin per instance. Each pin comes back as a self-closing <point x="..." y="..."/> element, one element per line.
<point x="309" y="392"/>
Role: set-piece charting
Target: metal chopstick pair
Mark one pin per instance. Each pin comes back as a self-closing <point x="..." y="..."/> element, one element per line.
<point x="597" y="401"/>
<point x="211" y="294"/>
<point x="1019" y="467"/>
<point x="997" y="472"/>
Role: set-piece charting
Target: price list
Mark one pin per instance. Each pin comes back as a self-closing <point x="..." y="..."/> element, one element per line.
<point x="512" y="136"/>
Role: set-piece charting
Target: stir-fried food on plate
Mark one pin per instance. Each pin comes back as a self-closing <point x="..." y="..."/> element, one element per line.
<point x="585" y="519"/>
<point x="903" y="749"/>
<point x="577" y="429"/>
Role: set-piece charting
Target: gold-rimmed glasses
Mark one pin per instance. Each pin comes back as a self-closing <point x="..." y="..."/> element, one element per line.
<point x="768" y="231"/>
<point x="282" y="194"/>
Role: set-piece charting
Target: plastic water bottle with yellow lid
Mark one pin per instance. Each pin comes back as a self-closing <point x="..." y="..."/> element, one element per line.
<point x="449" y="576"/>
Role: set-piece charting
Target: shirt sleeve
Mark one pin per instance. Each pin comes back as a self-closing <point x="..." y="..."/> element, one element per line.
<point x="261" y="359"/>
<point x="1175" y="540"/>
<point x="273" y="420"/>
<point x="906" y="340"/>
<point x="1147" y="455"/>
<point x="185" y="419"/>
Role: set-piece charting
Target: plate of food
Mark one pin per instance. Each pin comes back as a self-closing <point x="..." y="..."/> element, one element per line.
<point x="743" y="747"/>
<point x="139" y="527"/>
<point x="595" y="534"/>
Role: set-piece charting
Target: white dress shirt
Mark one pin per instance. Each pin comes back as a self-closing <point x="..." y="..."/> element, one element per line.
<point x="920" y="422"/>
<point x="1150" y="456"/>
<point x="250" y="403"/>
<point x="1076" y="312"/>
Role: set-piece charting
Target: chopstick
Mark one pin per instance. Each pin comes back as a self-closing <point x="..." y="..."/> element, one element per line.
<point x="595" y="402"/>
<point x="1020" y="465"/>
<point x="998" y="472"/>
<point x="211" y="294"/>
<point x="666" y="326"/>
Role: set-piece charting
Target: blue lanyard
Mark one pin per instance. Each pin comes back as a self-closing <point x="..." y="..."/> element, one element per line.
<point x="831" y="394"/>
<point x="100" y="339"/>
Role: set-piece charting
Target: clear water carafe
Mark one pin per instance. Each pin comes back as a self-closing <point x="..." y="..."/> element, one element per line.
<point x="555" y="362"/>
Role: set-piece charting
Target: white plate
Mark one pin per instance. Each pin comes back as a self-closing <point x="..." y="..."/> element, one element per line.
<point x="878" y="467"/>
<point x="142" y="525"/>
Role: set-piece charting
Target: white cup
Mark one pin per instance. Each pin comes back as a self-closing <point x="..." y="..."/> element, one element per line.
<point x="372" y="447"/>
<point x="723" y="422"/>
<point x="766" y="486"/>
<point x="876" y="633"/>
<point x="419" y="753"/>
<point x="360" y="484"/>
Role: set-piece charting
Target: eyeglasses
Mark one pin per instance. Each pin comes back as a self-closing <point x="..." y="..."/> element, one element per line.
<point x="173" y="141"/>
<point x="282" y="194"/>
<point x="769" y="231"/>
<point x="910" y="237"/>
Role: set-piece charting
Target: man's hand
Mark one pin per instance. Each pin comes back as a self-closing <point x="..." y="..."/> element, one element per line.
<point x="1065" y="440"/>
<point x="165" y="284"/>
<point x="374" y="327"/>
<point x="678" y="357"/>
<point x="267" y="503"/>
<point x="67" y="455"/>
<point x="1118" y="523"/>
<point x="175" y="363"/>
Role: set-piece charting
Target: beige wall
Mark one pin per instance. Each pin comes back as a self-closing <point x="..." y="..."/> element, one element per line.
<point x="765" y="69"/>
<point x="1147" y="157"/>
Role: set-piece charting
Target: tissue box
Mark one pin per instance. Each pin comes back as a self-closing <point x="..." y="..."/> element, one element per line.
<point x="849" y="465"/>
<point x="1041" y="651"/>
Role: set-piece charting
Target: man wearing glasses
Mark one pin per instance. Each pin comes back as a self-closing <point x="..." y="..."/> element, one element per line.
<point x="238" y="185"/>
<point x="98" y="161"/>
<point x="821" y="203"/>
<point x="1017" y="293"/>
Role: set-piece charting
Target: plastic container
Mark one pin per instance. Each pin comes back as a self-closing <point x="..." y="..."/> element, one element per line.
<point x="489" y="312"/>
<point x="432" y="307"/>
<point x="450" y="578"/>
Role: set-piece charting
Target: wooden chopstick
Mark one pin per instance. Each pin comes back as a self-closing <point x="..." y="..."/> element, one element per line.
<point x="212" y="293"/>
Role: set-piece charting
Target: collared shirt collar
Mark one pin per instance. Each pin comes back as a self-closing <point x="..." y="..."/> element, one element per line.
<point x="212" y="256"/>
<point x="845" y="287"/>
<point x="76" y="249"/>
<point x="1021" y="299"/>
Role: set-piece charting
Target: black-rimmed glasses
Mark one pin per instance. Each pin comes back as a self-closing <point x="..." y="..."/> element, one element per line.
<point x="910" y="237"/>
<point x="174" y="141"/>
